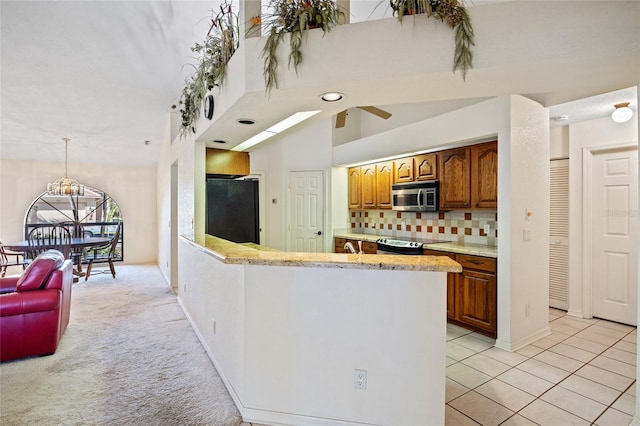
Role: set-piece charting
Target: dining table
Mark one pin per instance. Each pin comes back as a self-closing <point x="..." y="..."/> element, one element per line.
<point x="76" y="245"/>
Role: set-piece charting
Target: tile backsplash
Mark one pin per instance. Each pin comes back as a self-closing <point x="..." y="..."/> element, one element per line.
<point x="458" y="226"/>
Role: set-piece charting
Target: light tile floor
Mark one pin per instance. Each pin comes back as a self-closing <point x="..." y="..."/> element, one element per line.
<point x="582" y="374"/>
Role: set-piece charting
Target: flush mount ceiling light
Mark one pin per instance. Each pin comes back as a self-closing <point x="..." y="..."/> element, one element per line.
<point x="558" y="118"/>
<point x="331" y="96"/>
<point x="65" y="185"/>
<point x="219" y="141"/>
<point x="622" y="113"/>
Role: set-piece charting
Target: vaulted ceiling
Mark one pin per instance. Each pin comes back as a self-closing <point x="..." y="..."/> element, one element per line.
<point x="104" y="73"/>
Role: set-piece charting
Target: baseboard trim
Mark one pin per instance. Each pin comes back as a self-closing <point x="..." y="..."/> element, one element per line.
<point x="520" y="343"/>
<point x="285" y="419"/>
<point x="227" y="383"/>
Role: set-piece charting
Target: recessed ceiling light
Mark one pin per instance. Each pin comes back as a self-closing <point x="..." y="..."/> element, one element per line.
<point x="246" y="121"/>
<point x="559" y="118"/>
<point x="147" y="142"/>
<point x="331" y="96"/>
<point x="219" y="141"/>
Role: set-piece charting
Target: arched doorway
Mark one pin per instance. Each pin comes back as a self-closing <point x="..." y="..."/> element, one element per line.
<point x="93" y="214"/>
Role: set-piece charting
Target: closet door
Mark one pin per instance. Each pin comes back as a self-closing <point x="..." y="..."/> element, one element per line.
<point x="559" y="235"/>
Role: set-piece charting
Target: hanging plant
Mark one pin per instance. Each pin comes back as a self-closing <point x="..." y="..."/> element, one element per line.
<point x="213" y="55"/>
<point x="454" y="15"/>
<point x="295" y="17"/>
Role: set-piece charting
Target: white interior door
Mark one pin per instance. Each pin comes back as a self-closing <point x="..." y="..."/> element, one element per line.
<point x="559" y="235"/>
<point x="306" y="226"/>
<point x="614" y="234"/>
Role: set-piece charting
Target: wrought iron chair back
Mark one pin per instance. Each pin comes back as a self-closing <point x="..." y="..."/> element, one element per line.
<point x="111" y="254"/>
<point x="55" y="237"/>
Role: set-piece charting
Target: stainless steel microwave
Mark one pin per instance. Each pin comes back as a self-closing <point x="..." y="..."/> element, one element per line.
<point x="421" y="196"/>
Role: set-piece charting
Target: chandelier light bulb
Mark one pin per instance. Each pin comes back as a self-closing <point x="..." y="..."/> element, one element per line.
<point x="622" y="113"/>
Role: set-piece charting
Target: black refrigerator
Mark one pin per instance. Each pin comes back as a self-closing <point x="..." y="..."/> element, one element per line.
<point x="232" y="210"/>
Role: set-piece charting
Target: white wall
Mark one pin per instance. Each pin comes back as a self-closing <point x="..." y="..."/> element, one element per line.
<point x="307" y="146"/>
<point x="588" y="134"/>
<point x="559" y="143"/>
<point x="523" y="183"/>
<point x="133" y="188"/>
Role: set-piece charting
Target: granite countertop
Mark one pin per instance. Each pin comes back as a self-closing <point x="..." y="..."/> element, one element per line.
<point x="233" y="253"/>
<point x="446" y="246"/>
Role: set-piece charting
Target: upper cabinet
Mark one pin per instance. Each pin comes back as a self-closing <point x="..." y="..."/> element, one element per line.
<point x="368" y="183"/>
<point x="384" y="180"/>
<point x="484" y="176"/>
<point x="468" y="178"/>
<point x="354" y="188"/>
<point x="221" y="162"/>
<point x="425" y="166"/>
<point x="455" y="178"/>
<point x="403" y="170"/>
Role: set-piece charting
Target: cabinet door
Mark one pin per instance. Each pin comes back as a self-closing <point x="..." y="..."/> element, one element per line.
<point x="425" y="167"/>
<point x="403" y="170"/>
<point x="338" y="245"/>
<point x="368" y="183"/>
<point x="354" y="188"/>
<point x="384" y="180"/>
<point x="451" y="283"/>
<point x="484" y="176"/>
<point x="455" y="179"/>
<point x="369" y="247"/>
<point x="476" y="300"/>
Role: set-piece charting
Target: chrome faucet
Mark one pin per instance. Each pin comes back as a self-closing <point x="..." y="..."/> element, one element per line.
<point x="350" y="246"/>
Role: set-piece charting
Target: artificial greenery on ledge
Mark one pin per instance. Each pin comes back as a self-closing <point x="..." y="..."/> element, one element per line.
<point x="451" y="12"/>
<point x="213" y="55"/>
<point x="295" y="17"/>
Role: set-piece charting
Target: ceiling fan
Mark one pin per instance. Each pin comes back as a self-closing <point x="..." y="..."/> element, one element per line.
<point x="342" y="115"/>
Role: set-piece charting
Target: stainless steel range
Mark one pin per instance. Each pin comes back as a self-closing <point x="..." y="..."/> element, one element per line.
<point x="391" y="246"/>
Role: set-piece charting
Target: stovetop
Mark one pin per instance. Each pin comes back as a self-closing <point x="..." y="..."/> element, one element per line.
<point x="407" y="244"/>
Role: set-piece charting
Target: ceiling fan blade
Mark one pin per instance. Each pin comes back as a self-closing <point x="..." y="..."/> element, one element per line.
<point x="341" y="117"/>
<point x="376" y="111"/>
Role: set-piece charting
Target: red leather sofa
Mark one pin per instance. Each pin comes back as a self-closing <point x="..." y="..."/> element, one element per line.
<point x="35" y="307"/>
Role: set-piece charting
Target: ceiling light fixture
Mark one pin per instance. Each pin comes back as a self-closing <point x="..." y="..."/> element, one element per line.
<point x="283" y="125"/>
<point x="559" y="118"/>
<point x="622" y="113"/>
<point x="331" y="96"/>
<point x="247" y="121"/>
<point x="65" y="185"/>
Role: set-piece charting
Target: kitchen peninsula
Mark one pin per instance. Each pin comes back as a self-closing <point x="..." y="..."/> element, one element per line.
<point x="287" y="331"/>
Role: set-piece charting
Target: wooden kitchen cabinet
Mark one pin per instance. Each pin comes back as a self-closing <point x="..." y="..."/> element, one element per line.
<point x="451" y="283"/>
<point x="472" y="294"/>
<point x="368" y="247"/>
<point x="354" y="187"/>
<point x="455" y="178"/>
<point x="425" y="166"/>
<point x="384" y="180"/>
<point x="403" y="170"/>
<point x="484" y="176"/>
<point x="368" y="186"/>
<point x="476" y="297"/>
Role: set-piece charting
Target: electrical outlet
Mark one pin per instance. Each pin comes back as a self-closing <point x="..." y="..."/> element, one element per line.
<point x="213" y="323"/>
<point x="487" y="229"/>
<point x="527" y="310"/>
<point x="184" y="287"/>
<point x="360" y="379"/>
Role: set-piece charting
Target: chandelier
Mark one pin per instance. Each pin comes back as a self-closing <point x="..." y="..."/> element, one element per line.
<point x="65" y="185"/>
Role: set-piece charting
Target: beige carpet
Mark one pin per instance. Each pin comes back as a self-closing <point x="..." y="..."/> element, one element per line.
<point x="128" y="357"/>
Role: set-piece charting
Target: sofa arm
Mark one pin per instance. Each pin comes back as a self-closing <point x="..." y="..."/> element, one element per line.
<point x="29" y="302"/>
<point x="8" y="284"/>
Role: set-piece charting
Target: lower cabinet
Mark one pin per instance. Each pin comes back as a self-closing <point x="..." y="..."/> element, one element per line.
<point x="368" y="247"/>
<point x="472" y="294"/>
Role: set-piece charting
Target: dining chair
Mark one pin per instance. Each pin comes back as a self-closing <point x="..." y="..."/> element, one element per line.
<point x="97" y="253"/>
<point x="10" y="258"/>
<point x="44" y="238"/>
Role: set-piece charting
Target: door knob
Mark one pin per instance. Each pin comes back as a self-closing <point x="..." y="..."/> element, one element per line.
<point x="319" y="232"/>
